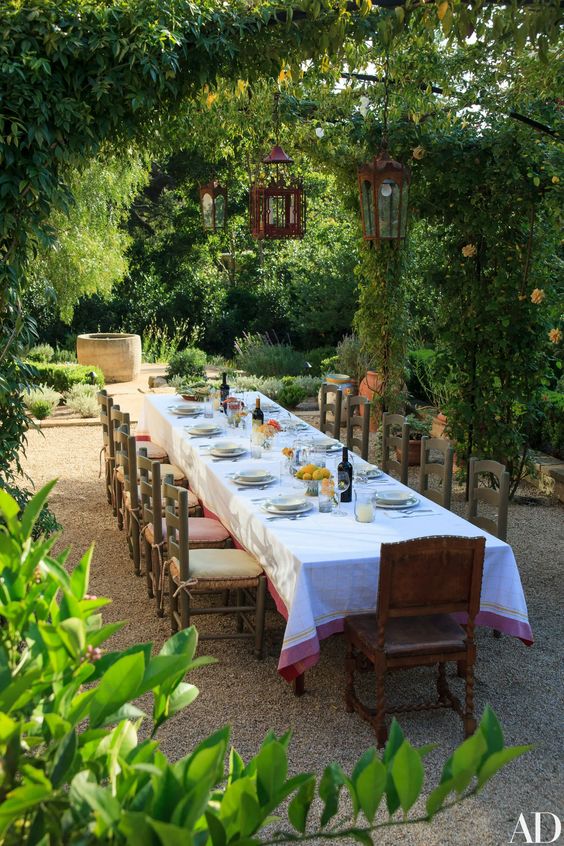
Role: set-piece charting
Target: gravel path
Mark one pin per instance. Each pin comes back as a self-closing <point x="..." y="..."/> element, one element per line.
<point x="524" y="685"/>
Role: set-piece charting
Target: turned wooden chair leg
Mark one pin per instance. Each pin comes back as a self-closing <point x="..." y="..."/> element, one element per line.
<point x="158" y="588"/>
<point x="469" y="719"/>
<point x="172" y="604"/>
<point x="184" y="603"/>
<point x="240" y="601"/>
<point x="461" y="669"/>
<point x="442" y="686"/>
<point x="119" y="505"/>
<point x="260" y="614"/>
<point x="380" y="715"/>
<point x="496" y="633"/>
<point x="135" y="546"/>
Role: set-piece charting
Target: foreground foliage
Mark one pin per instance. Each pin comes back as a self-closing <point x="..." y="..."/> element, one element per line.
<point x="76" y="771"/>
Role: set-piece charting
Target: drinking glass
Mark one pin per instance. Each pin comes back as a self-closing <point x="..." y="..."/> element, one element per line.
<point x="343" y="484"/>
<point x="208" y="407"/>
<point x="363" y="507"/>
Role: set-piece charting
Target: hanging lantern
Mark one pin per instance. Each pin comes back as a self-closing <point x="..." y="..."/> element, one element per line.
<point x="384" y="190"/>
<point x="213" y="203"/>
<point x="277" y="206"/>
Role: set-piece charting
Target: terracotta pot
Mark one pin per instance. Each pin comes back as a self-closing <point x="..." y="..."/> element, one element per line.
<point x="438" y="425"/>
<point x="370" y="387"/>
<point x="413" y="453"/>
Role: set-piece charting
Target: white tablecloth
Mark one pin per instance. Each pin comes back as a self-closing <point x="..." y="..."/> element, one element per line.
<point x="325" y="566"/>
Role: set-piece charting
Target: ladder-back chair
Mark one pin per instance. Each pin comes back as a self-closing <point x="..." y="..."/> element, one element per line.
<point x="332" y="406"/>
<point x="438" y="470"/>
<point x="357" y="422"/>
<point x="392" y="441"/>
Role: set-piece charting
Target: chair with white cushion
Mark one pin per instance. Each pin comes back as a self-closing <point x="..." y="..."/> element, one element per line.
<point x="196" y="572"/>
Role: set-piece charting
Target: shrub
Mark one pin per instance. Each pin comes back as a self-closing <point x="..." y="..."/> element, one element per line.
<point x="351" y="358"/>
<point x="76" y="771"/>
<point x="46" y="523"/>
<point x="63" y="356"/>
<point x="189" y="363"/>
<point x="291" y="395"/>
<point x="310" y="384"/>
<point x="420" y="376"/>
<point x="316" y="357"/>
<point x="159" y="345"/>
<point x="330" y="364"/>
<point x="258" y="355"/>
<point x="62" y="377"/>
<point x="550" y="433"/>
<point x="41" y="352"/>
<point x="82" y="400"/>
<point x="41" y="401"/>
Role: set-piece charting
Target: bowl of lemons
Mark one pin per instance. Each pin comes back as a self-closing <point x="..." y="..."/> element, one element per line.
<point x="312" y="475"/>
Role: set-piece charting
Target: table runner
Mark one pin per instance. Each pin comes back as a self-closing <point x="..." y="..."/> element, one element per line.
<point x="325" y="566"/>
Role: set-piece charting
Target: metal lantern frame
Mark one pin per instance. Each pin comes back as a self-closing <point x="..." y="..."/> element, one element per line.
<point x="277" y="206"/>
<point x="218" y="196"/>
<point x="383" y="186"/>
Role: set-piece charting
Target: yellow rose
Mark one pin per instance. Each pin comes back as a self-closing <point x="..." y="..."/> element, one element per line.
<point x="418" y="152"/>
<point x="537" y="296"/>
<point x="555" y="336"/>
<point x="469" y="250"/>
<point x="555" y="180"/>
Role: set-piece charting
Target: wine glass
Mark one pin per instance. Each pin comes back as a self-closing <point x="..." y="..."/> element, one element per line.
<point x="343" y="484"/>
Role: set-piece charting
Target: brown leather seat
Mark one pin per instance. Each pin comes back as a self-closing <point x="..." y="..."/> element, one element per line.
<point x="412" y="635"/>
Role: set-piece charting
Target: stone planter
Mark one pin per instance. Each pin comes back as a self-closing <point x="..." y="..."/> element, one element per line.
<point x="117" y="354"/>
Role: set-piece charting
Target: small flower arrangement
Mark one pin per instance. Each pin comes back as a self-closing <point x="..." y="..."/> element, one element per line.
<point x="264" y="434"/>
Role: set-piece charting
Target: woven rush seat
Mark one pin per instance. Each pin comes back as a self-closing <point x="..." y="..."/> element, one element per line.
<point x="227" y="569"/>
<point x="155" y="452"/>
<point x="408" y="635"/>
<point x="204" y="532"/>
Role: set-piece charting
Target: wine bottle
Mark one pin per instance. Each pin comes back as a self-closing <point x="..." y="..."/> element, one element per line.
<point x="223" y="391"/>
<point x="258" y="416"/>
<point x="346" y="467"/>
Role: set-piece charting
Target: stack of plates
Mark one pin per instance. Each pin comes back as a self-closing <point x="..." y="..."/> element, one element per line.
<point x="185" y="409"/>
<point x="252" y="477"/>
<point x="227" y="449"/>
<point x="287" y="504"/>
<point x="395" y="498"/>
<point x="204" y="429"/>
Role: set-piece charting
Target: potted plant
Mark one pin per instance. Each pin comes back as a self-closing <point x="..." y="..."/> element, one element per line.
<point x="418" y="426"/>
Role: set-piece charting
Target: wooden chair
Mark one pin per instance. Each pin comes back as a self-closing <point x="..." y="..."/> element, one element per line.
<point x="422" y="582"/>
<point x="118" y="419"/>
<point x="441" y="471"/>
<point x="194" y="572"/>
<point x="497" y="497"/>
<point x="355" y="421"/>
<point x="107" y="452"/>
<point x="391" y="441"/>
<point x="333" y="407"/>
<point x="126" y="458"/>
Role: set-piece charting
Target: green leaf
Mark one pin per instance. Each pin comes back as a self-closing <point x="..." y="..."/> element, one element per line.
<point x="162" y="668"/>
<point x="180" y="698"/>
<point x="408" y="775"/>
<point x="466" y="760"/>
<point x="21" y="800"/>
<point x="106" y="808"/>
<point x="498" y="760"/>
<point x="271" y="768"/>
<point x="329" y="787"/>
<point x="216" y="830"/>
<point x="73" y="635"/>
<point x="184" y="642"/>
<point x="298" y="809"/>
<point x="119" y="684"/>
<point x="236" y="765"/>
<point x="81" y="574"/>
<point x="33" y="508"/>
<point x="370" y="785"/>
<point x="491" y="730"/>
<point x="64" y="757"/>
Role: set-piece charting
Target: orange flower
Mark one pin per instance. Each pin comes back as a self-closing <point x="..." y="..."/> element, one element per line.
<point x="274" y="424"/>
<point x="418" y="152"/>
<point x="537" y="296"/>
<point x="469" y="250"/>
<point x="555" y="336"/>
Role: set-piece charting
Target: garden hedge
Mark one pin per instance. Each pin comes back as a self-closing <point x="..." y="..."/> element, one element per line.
<point x="62" y="377"/>
<point x="551" y="433"/>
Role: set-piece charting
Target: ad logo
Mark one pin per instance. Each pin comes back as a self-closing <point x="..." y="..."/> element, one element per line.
<point x="552" y="829"/>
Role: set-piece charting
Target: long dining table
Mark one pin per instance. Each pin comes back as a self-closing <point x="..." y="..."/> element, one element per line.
<point x="324" y="566"/>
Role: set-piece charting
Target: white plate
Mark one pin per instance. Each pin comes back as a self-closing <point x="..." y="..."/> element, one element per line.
<point x="269" y="509"/>
<point x="413" y="500"/>
<point x="255" y="474"/>
<point x="184" y="409"/>
<point x="204" y="429"/>
<point x="227" y="447"/>
<point x="394" y="496"/>
<point x="289" y="502"/>
<point x="248" y="483"/>
<point x="239" y="451"/>
<point x="373" y="473"/>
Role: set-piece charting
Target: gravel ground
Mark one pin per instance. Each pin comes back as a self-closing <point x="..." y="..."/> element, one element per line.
<point x="524" y="685"/>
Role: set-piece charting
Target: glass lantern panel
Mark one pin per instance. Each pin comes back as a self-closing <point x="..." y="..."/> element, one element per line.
<point x="367" y="209"/>
<point x="388" y="209"/>
<point x="220" y="211"/>
<point x="404" y="201"/>
<point x="207" y="211"/>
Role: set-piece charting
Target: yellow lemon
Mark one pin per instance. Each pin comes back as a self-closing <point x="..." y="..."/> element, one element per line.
<point x="326" y="473"/>
<point x="307" y="477"/>
<point x="317" y="474"/>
